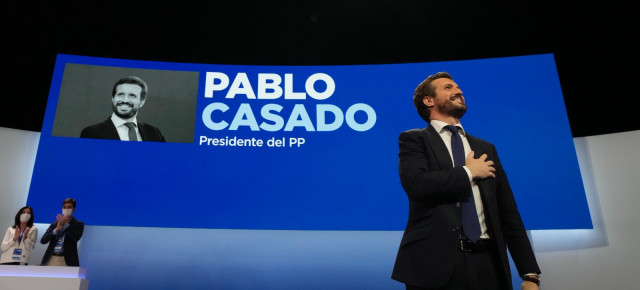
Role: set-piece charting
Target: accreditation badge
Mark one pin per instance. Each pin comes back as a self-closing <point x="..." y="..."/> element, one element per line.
<point x="17" y="253"/>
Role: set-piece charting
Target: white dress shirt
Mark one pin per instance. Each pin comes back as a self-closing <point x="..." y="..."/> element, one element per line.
<point x="123" y="131"/>
<point x="446" y="137"/>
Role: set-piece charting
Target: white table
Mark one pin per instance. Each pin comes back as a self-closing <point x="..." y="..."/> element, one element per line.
<point x="42" y="277"/>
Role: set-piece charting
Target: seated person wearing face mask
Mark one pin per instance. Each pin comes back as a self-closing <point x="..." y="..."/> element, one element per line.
<point x="63" y="236"/>
<point x="20" y="239"/>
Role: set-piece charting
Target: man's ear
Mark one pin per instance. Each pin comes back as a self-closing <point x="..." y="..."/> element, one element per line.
<point x="142" y="102"/>
<point x="428" y="101"/>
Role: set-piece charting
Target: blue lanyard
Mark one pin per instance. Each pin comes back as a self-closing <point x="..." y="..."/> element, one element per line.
<point x="20" y="238"/>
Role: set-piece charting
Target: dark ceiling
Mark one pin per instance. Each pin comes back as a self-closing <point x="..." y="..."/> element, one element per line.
<point x="595" y="44"/>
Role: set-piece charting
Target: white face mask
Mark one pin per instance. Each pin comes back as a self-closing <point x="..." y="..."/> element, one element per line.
<point x="25" y="217"/>
<point x="67" y="211"/>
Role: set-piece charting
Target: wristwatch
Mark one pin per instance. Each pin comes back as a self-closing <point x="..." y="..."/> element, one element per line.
<point x="532" y="278"/>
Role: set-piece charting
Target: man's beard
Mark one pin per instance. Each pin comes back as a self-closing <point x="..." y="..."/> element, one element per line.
<point x="451" y="109"/>
<point x="132" y="111"/>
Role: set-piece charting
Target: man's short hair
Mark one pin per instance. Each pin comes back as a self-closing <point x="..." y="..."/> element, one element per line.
<point x="425" y="89"/>
<point x="134" y="80"/>
<point x="69" y="200"/>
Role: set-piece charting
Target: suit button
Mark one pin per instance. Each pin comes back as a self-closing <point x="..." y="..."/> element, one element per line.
<point x="458" y="204"/>
<point x="456" y="229"/>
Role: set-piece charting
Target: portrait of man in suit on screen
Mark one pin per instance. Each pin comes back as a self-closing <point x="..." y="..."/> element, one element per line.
<point x="128" y="96"/>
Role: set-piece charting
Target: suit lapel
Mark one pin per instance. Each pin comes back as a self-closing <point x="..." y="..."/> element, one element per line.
<point x="437" y="146"/>
<point x="141" y="129"/>
<point x="475" y="145"/>
<point x="110" y="130"/>
<point x="480" y="149"/>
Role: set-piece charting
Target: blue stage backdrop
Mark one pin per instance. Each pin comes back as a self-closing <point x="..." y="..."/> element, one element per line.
<point x="292" y="147"/>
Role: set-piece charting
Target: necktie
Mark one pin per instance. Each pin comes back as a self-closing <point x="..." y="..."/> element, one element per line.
<point x="470" y="223"/>
<point x="132" y="131"/>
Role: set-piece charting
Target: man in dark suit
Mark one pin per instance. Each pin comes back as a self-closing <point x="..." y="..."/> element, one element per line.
<point x="441" y="248"/>
<point x="128" y="96"/>
<point x="63" y="236"/>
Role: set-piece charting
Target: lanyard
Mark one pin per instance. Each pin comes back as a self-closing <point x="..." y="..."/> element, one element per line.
<point x="20" y="238"/>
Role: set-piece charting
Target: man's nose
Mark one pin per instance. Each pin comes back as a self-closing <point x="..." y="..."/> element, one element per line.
<point x="127" y="99"/>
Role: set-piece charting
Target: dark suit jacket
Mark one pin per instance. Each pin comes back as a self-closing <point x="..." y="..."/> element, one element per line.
<point x="71" y="237"/>
<point x="428" y="248"/>
<point x="106" y="130"/>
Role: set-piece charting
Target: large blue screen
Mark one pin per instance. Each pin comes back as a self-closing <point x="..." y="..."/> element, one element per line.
<point x="292" y="147"/>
